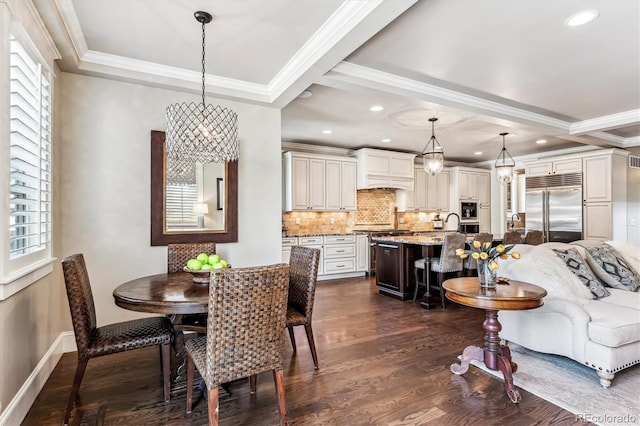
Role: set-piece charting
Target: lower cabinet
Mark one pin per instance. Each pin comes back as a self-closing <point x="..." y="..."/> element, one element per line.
<point x="315" y="242"/>
<point x="287" y="243"/>
<point x="339" y="254"/>
<point x="362" y="253"/>
<point x="388" y="266"/>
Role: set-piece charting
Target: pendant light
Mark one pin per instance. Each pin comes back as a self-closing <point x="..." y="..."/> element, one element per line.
<point x="199" y="133"/>
<point x="504" y="164"/>
<point x="433" y="154"/>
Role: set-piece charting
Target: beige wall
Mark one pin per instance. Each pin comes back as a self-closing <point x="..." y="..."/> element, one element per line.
<point x="102" y="208"/>
<point x="105" y="168"/>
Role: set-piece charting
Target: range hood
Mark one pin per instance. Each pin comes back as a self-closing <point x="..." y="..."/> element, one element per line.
<point x="379" y="169"/>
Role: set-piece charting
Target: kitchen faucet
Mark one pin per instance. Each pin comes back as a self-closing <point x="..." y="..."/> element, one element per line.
<point x="513" y="224"/>
<point x="456" y="215"/>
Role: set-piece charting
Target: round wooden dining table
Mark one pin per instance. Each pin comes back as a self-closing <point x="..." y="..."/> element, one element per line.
<point x="169" y="294"/>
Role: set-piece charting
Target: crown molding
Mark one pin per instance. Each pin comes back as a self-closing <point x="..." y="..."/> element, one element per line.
<point x="338" y="26"/>
<point x="72" y="25"/>
<point x="606" y="122"/>
<point x="315" y="149"/>
<point x="391" y="83"/>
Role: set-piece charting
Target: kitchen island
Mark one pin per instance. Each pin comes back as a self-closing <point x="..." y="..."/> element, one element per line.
<point x="395" y="257"/>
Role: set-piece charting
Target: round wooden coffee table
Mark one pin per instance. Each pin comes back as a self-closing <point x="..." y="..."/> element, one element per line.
<point x="514" y="296"/>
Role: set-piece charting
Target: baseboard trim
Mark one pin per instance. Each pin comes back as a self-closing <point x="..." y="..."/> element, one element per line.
<point x="19" y="406"/>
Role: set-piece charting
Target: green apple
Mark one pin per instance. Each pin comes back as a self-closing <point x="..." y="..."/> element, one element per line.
<point x="206" y="266"/>
<point x="218" y="266"/>
<point x="203" y="257"/>
<point x="223" y="262"/>
<point x="194" y="264"/>
<point x="213" y="259"/>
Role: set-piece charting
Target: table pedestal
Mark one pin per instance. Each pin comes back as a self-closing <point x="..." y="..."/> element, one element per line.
<point x="494" y="355"/>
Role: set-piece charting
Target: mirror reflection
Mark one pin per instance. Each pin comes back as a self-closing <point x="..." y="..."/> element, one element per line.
<point x="198" y="205"/>
<point x="204" y="210"/>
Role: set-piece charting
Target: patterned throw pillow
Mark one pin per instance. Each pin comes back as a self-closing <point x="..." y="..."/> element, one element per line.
<point x="612" y="268"/>
<point x="576" y="264"/>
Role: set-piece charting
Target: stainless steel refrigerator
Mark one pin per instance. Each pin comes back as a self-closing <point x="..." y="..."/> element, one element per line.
<point x="553" y="205"/>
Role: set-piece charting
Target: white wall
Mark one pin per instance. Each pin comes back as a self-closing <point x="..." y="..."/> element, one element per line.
<point x="105" y="182"/>
<point x="633" y="202"/>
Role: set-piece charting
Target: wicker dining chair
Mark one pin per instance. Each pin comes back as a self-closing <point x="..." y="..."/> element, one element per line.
<point x="303" y="277"/>
<point x="179" y="254"/>
<point x="470" y="264"/>
<point x="534" y="238"/>
<point x="512" y="237"/>
<point x="93" y="341"/>
<point x="177" y="257"/>
<point x="247" y="314"/>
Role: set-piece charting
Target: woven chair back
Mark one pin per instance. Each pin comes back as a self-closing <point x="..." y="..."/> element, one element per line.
<point x="534" y="238"/>
<point x="303" y="277"/>
<point x="179" y="254"/>
<point x="449" y="261"/>
<point x="247" y="313"/>
<point x="81" y="305"/>
<point x="512" y="237"/>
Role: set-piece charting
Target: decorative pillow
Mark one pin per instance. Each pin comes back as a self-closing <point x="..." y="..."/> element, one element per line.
<point x="576" y="264"/>
<point x="612" y="268"/>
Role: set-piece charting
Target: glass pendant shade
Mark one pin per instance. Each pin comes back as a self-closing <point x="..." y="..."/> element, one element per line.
<point x="433" y="154"/>
<point x="504" y="164"/>
<point x="199" y="133"/>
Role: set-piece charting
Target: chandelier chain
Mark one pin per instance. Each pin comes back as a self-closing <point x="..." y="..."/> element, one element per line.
<point x="203" y="70"/>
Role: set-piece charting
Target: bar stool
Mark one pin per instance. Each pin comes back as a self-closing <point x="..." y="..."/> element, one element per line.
<point x="512" y="237"/>
<point x="470" y="264"/>
<point x="534" y="238"/>
<point x="447" y="262"/>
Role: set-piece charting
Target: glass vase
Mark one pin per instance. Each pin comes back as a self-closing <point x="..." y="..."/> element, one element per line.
<point x="486" y="276"/>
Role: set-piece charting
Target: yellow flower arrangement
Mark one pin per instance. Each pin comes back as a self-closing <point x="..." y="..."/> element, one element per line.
<point x="483" y="251"/>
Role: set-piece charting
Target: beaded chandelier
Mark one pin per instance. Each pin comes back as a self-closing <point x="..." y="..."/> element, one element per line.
<point x="199" y="133"/>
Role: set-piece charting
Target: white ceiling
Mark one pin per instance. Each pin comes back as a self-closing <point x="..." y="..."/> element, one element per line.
<point x="482" y="67"/>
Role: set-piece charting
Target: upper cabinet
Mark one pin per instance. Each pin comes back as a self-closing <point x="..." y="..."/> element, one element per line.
<point x="384" y="169"/>
<point x="467" y="185"/>
<point x="314" y="182"/>
<point x="431" y="193"/>
<point x="554" y="167"/>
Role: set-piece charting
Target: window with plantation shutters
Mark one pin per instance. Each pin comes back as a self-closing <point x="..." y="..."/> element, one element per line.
<point x="29" y="154"/>
<point x="179" y="201"/>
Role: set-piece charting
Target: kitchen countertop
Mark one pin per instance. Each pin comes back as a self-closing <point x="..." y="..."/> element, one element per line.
<point x="323" y="235"/>
<point x="423" y="240"/>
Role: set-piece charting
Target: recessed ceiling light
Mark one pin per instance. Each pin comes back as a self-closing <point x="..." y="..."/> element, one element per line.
<point x="541" y="141"/>
<point x="582" y="18"/>
<point x="376" y="108"/>
<point x="327" y="132"/>
<point x="385" y="140"/>
<point x="305" y="94"/>
<point x="477" y="153"/>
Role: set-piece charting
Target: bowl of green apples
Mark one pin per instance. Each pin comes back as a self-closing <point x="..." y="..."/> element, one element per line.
<point x="202" y="265"/>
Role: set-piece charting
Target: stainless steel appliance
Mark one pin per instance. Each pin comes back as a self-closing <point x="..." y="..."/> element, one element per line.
<point x="468" y="211"/>
<point x="469" y="227"/>
<point x="553" y="205"/>
<point x="372" y="244"/>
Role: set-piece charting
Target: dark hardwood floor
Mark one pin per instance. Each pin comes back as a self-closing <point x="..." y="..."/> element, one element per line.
<point x="382" y="362"/>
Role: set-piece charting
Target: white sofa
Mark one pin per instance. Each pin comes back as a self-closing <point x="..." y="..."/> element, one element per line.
<point x="603" y="334"/>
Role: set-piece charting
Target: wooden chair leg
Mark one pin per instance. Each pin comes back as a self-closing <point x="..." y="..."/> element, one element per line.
<point x="440" y="281"/>
<point x="282" y="403"/>
<point x="165" y="356"/>
<point x="312" y="344"/>
<point x="212" y="404"/>
<point x="75" y="389"/>
<point x="415" y="291"/>
<point x="191" y="369"/>
<point x="253" y="380"/>
<point x="292" y="337"/>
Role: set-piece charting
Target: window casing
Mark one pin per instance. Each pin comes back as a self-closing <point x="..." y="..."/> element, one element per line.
<point x="26" y="180"/>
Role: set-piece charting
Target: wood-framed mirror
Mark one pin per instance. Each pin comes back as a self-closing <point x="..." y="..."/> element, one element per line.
<point x="220" y="226"/>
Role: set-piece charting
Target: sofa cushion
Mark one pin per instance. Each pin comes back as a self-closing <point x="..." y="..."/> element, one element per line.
<point x="629" y="251"/>
<point x="612" y="325"/>
<point x="612" y="268"/>
<point x="576" y="264"/>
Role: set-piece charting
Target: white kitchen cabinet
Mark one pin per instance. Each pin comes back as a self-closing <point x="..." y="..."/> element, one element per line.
<point x="339" y="254"/>
<point x="362" y="253"/>
<point x="597" y="179"/>
<point x="484" y="218"/>
<point x="420" y="189"/>
<point x="438" y="190"/>
<point x="597" y="221"/>
<point x="484" y="189"/>
<point x="468" y="185"/>
<point x="314" y="242"/>
<point x="321" y="183"/>
<point x="341" y="184"/>
<point x="431" y="193"/>
<point x="384" y="169"/>
<point x="553" y="167"/>
<point x="287" y="243"/>
<point x="604" y="195"/>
